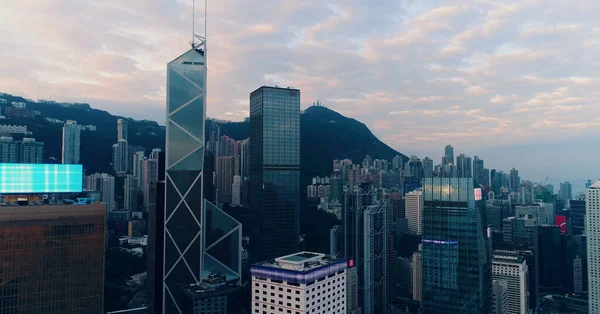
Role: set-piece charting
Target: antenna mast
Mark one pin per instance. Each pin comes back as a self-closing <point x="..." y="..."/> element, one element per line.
<point x="193" y="24"/>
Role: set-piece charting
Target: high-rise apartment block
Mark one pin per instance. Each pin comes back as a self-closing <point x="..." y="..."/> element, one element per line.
<point x="303" y="282"/>
<point x="464" y="166"/>
<point x="275" y="170"/>
<point x="427" y="167"/>
<point x="499" y="297"/>
<point x="122" y="129"/>
<point x="27" y="151"/>
<point x="414" y="211"/>
<point x="592" y="210"/>
<point x="105" y="184"/>
<point x="130" y="193"/>
<point x="456" y="254"/>
<point x="236" y="191"/>
<point x="448" y="158"/>
<point x="417" y="275"/>
<point x="514" y="180"/>
<point x="121" y="157"/>
<point x="508" y="266"/>
<point x="71" y="142"/>
<point x="52" y="258"/>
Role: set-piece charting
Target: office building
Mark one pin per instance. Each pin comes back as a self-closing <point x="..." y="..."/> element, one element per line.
<point x="550" y="266"/>
<point x="53" y="258"/>
<point x="150" y="174"/>
<point x="352" y="300"/>
<point x="105" y="184"/>
<point x="514" y="180"/>
<point x="186" y="113"/>
<point x="535" y="214"/>
<point x="464" y="166"/>
<point x="301" y="282"/>
<point x="427" y="167"/>
<point x="364" y="223"/>
<point x="214" y="295"/>
<point x="565" y="191"/>
<point x="455" y="281"/>
<point x="499" y="297"/>
<point x="479" y="172"/>
<point x="121" y="157"/>
<point x="495" y="211"/>
<point x="275" y="170"/>
<point x="414" y="211"/>
<point x="448" y="158"/>
<point x="122" y="129"/>
<point x="31" y="152"/>
<point x="155" y="261"/>
<point x="335" y="241"/>
<point x="417" y="275"/>
<point x="71" y="142"/>
<point x="577" y="216"/>
<point x="508" y="266"/>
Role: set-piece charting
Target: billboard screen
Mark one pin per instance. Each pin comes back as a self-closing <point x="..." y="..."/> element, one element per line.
<point x="40" y="178"/>
<point x="561" y="221"/>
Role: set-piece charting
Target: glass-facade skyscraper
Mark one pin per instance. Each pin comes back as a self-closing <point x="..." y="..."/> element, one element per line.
<point x="456" y="248"/>
<point x="275" y="171"/>
<point x="186" y="96"/>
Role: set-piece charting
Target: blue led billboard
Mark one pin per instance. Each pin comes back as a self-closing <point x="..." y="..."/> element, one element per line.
<point x="40" y="178"/>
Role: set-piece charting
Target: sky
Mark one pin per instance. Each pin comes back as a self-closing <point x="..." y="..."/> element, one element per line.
<point x="515" y="82"/>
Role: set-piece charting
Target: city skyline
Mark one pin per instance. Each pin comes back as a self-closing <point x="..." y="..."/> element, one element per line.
<point x="485" y="75"/>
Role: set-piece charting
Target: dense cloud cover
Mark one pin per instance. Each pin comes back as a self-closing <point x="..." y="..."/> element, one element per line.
<point x="515" y="82"/>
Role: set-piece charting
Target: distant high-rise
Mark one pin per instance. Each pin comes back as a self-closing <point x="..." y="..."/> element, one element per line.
<point x="456" y="254"/>
<point x="31" y="152"/>
<point x="512" y="268"/>
<point x="138" y="168"/>
<point x="577" y="216"/>
<point x="550" y="261"/>
<point x="478" y="171"/>
<point x="275" y="170"/>
<point x="416" y="168"/>
<point x="592" y="210"/>
<point x="226" y="169"/>
<point x="214" y="134"/>
<point x="565" y="191"/>
<point x="9" y="150"/>
<point x="186" y="113"/>
<point x="122" y="129"/>
<point x="71" y="142"/>
<point x="417" y="275"/>
<point x="121" y="157"/>
<point x="414" y="211"/>
<point x="335" y="240"/>
<point x="464" y="166"/>
<point x="150" y="174"/>
<point x="130" y="193"/>
<point x="514" y="180"/>
<point x="105" y="184"/>
<point x="245" y="159"/>
<point x="448" y="158"/>
<point x="236" y="191"/>
<point x="52" y="258"/>
<point x="427" y="167"/>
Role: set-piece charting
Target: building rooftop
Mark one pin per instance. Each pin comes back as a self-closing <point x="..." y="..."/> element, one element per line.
<point x="301" y="262"/>
<point x="596" y="185"/>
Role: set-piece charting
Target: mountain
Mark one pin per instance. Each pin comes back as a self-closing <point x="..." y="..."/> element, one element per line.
<point x="325" y="135"/>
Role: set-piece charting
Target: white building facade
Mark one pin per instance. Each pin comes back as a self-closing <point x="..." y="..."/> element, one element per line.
<point x="592" y="224"/>
<point x="303" y="282"/>
<point x="414" y="212"/>
<point x="509" y="267"/>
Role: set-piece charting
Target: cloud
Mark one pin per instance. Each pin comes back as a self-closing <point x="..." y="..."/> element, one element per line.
<point x="420" y="73"/>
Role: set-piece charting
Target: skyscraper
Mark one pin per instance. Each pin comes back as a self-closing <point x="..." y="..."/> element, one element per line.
<point x="577" y="216"/>
<point x="130" y="192"/>
<point x="592" y="209"/>
<point x="478" y="171"/>
<point x="150" y="174"/>
<point x="499" y="297"/>
<point x="414" y="211"/>
<point x="364" y="221"/>
<point x="455" y="280"/>
<point x="463" y="166"/>
<point x="122" y="129"/>
<point x="275" y="170"/>
<point x="417" y="275"/>
<point x="138" y="168"/>
<point x="514" y="180"/>
<point x="236" y="191"/>
<point x="448" y="158"/>
<point x="186" y="112"/>
<point x="53" y="258"/>
<point x="565" y="191"/>
<point x="427" y="167"/>
<point x="71" y="142"/>
<point x="510" y="267"/>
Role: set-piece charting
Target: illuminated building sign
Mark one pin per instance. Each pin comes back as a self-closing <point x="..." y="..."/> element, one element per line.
<point x="440" y="242"/>
<point x="40" y="178"/>
<point x="478" y="194"/>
